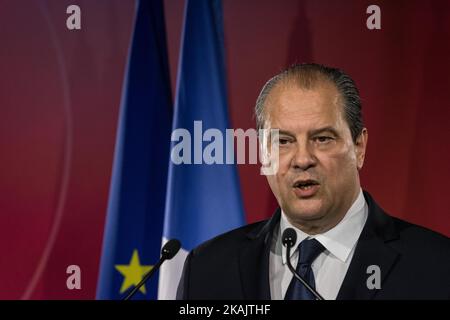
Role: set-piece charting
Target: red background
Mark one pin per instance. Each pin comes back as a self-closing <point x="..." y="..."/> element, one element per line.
<point x="60" y="93"/>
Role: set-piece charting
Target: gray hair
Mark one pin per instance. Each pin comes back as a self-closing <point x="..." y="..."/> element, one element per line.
<point x="306" y="76"/>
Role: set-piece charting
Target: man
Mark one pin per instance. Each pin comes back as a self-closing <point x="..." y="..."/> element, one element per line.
<point x="347" y="247"/>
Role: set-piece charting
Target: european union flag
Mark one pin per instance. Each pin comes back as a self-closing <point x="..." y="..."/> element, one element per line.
<point x="203" y="200"/>
<point x="132" y="240"/>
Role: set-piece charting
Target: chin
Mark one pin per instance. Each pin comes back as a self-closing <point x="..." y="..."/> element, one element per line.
<point x="308" y="210"/>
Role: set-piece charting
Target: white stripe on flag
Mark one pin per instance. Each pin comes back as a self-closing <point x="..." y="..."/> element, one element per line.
<point x="170" y="275"/>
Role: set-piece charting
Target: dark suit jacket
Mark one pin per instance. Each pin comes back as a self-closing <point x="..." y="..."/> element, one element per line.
<point x="414" y="262"/>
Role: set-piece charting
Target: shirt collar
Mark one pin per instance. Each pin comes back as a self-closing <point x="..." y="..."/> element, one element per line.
<point x="341" y="239"/>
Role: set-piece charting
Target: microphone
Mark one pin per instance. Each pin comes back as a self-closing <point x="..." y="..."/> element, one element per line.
<point x="289" y="238"/>
<point x="168" y="251"/>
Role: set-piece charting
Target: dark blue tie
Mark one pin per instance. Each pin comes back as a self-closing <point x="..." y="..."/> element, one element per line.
<point x="308" y="252"/>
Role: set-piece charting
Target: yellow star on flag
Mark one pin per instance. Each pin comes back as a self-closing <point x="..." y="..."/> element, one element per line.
<point x="133" y="272"/>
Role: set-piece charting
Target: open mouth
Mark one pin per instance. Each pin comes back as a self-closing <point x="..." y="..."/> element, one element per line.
<point x="305" y="184"/>
<point x="305" y="189"/>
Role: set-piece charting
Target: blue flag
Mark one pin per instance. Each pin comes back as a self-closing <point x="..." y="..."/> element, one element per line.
<point x="203" y="200"/>
<point x="133" y="231"/>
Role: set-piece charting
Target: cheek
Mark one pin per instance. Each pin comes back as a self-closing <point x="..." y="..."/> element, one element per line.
<point x="284" y="163"/>
<point x="339" y="166"/>
<point x="273" y="183"/>
<point x="284" y="160"/>
<point x="277" y="183"/>
<point x="274" y="186"/>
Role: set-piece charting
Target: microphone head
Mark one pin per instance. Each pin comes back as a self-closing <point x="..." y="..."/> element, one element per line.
<point x="170" y="249"/>
<point x="289" y="237"/>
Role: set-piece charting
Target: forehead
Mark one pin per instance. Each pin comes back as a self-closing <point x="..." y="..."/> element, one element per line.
<point x="289" y="106"/>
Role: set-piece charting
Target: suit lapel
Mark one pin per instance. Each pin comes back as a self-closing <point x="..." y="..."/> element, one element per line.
<point x="254" y="261"/>
<point x="371" y="249"/>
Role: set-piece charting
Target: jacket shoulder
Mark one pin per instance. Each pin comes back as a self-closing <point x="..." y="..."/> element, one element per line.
<point x="228" y="242"/>
<point x="421" y="239"/>
<point x="211" y="270"/>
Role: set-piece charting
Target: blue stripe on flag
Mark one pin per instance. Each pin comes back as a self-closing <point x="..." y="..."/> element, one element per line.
<point x="202" y="200"/>
<point x="132" y="240"/>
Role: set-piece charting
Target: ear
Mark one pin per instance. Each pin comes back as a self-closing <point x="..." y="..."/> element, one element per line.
<point x="360" y="148"/>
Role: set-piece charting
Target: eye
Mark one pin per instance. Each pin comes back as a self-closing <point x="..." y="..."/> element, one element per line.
<point x="323" y="139"/>
<point x="283" y="141"/>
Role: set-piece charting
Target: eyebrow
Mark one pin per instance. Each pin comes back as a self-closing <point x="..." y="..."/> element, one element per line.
<point x="324" y="129"/>
<point x="314" y="132"/>
<point x="284" y="132"/>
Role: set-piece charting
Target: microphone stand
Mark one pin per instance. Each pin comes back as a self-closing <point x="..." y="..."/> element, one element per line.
<point x="144" y="279"/>
<point x="297" y="276"/>
<point x="169" y="250"/>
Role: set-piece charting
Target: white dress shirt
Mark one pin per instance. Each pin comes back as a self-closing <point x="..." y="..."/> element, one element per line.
<point x="331" y="265"/>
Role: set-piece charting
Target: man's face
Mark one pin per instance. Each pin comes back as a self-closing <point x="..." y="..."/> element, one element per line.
<point x="317" y="179"/>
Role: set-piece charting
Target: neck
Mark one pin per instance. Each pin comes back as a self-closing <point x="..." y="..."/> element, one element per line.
<point x="317" y="226"/>
<point x="326" y="221"/>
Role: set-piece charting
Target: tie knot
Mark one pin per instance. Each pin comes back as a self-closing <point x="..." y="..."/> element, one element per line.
<point x="309" y="250"/>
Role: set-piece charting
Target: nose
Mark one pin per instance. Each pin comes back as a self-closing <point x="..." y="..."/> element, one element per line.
<point x="303" y="158"/>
